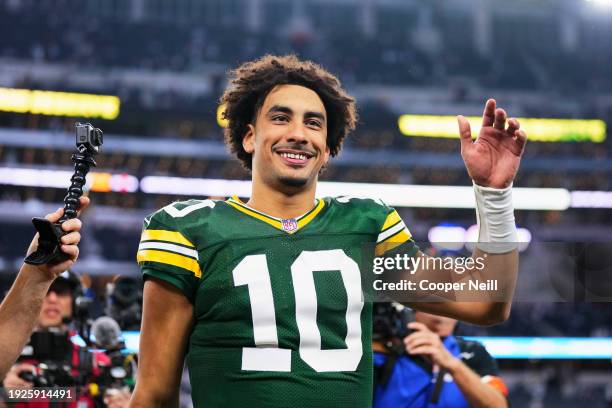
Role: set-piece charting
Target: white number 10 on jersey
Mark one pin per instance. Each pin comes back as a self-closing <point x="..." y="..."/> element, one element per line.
<point x="267" y="356"/>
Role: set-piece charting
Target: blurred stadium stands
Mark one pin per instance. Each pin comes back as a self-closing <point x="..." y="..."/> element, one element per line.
<point x="167" y="62"/>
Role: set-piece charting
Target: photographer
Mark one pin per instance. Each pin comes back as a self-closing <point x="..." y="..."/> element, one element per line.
<point x="429" y="367"/>
<point x="53" y="358"/>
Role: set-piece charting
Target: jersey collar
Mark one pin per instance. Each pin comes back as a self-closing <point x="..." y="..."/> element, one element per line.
<point x="289" y="226"/>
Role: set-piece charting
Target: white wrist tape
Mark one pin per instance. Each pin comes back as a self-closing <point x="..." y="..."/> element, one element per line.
<point x="495" y="218"/>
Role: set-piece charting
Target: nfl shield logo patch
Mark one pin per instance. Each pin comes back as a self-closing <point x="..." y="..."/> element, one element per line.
<point x="290" y="225"/>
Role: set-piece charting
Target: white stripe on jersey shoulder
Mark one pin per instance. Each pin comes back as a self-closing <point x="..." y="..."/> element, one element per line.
<point x="391" y="231"/>
<point x="169" y="247"/>
<point x="176" y="213"/>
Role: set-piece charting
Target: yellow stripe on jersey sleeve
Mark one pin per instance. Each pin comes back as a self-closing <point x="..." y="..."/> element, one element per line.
<point x="392" y="219"/>
<point x="167" y="236"/>
<point x="392" y="242"/>
<point x="168" y="258"/>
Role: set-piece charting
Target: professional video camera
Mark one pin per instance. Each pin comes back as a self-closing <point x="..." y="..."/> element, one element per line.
<point x="103" y="363"/>
<point x="390" y="322"/>
<point x="390" y="327"/>
<point x="124" y="298"/>
<point x="52" y="350"/>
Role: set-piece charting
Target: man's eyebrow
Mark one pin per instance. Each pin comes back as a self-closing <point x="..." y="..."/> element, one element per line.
<point x="282" y="109"/>
<point x="289" y="111"/>
<point x="317" y="115"/>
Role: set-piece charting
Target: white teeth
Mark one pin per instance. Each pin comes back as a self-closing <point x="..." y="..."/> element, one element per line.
<point x="294" y="156"/>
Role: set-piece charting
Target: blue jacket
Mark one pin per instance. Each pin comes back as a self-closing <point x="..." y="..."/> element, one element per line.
<point x="412" y="381"/>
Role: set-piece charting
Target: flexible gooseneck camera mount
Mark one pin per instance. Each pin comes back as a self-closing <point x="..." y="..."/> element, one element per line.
<point x="88" y="142"/>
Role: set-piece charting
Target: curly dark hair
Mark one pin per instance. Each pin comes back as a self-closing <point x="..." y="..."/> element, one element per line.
<point x="251" y="82"/>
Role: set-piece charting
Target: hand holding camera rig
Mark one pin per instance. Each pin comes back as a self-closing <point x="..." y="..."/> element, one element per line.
<point x="88" y="142"/>
<point x="52" y="251"/>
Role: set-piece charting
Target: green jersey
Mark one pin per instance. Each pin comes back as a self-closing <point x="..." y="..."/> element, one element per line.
<point x="280" y="316"/>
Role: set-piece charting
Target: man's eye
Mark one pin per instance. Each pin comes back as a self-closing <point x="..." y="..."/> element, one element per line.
<point x="315" y="123"/>
<point x="280" y="118"/>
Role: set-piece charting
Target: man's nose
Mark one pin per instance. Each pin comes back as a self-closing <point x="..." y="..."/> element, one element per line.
<point x="52" y="296"/>
<point x="297" y="133"/>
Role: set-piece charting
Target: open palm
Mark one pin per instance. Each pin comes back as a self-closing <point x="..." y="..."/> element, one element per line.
<point x="493" y="159"/>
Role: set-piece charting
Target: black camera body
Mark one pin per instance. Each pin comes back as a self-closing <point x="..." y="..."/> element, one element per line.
<point x="88" y="138"/>
<point x="50" y="374"/>
<point x="390" y="322"/>
<point x="48" y="345"/>
<point x="53" y="352"/>
<point x="120" y="373"/>
<point x="125" y="302"/>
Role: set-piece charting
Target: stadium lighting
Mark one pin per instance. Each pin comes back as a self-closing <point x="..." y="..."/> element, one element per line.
<point x="396" y="195"/>
<point x="538" y="130"/>
<point x="34" y="177"/>
<point x="447" y="237"/>
<point x="96" y="181"/>
<point x="195" y="186"/>
<point x="605" y="3"/>
<point x="107" y="182"/>
<point x="574" y="348"/>
<point x="59" y="103"/>
<point x="591" y="199"/>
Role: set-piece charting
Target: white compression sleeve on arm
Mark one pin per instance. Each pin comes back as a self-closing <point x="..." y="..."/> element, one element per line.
<point x="495" y="218"/>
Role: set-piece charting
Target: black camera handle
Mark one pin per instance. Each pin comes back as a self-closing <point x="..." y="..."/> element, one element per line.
<point x="88" y="139"/>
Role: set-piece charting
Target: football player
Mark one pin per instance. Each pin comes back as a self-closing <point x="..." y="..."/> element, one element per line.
<point x="265" y="298"/>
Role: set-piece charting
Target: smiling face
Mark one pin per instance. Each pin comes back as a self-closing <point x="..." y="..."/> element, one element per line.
<point x="289" y="139"/>
<point x="56" y="305"/>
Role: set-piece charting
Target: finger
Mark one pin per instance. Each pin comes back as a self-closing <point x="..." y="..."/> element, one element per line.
<point x="521" y="139"/>
<point x="19" y="383"/>
<point x="423" y="350"/>
<point x="465" y="132"/>
<point x="408" y="340"/>
<point x="71" y="250"/>
<point x="421" y="341"/>
<point x="83" y="204"/>
<point x="55" y="270"/>
<point x="416" y="338"/>
<point x="73" y="224"/>
<point x="420" y="334"/>
<point x="488" y="116"/>
<point x="500" y="119"/>
<point x="513" y="126"/>
<point x="27" y="367"/>
<point x="56" y="215"/>
<point x="417" y="327"/>
<point x="71" y="238"/>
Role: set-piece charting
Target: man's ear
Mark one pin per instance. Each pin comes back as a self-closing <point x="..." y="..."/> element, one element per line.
<point x="325" y="160"/>
<point x="248" y="141"/>
<point x="326" y="156"/>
